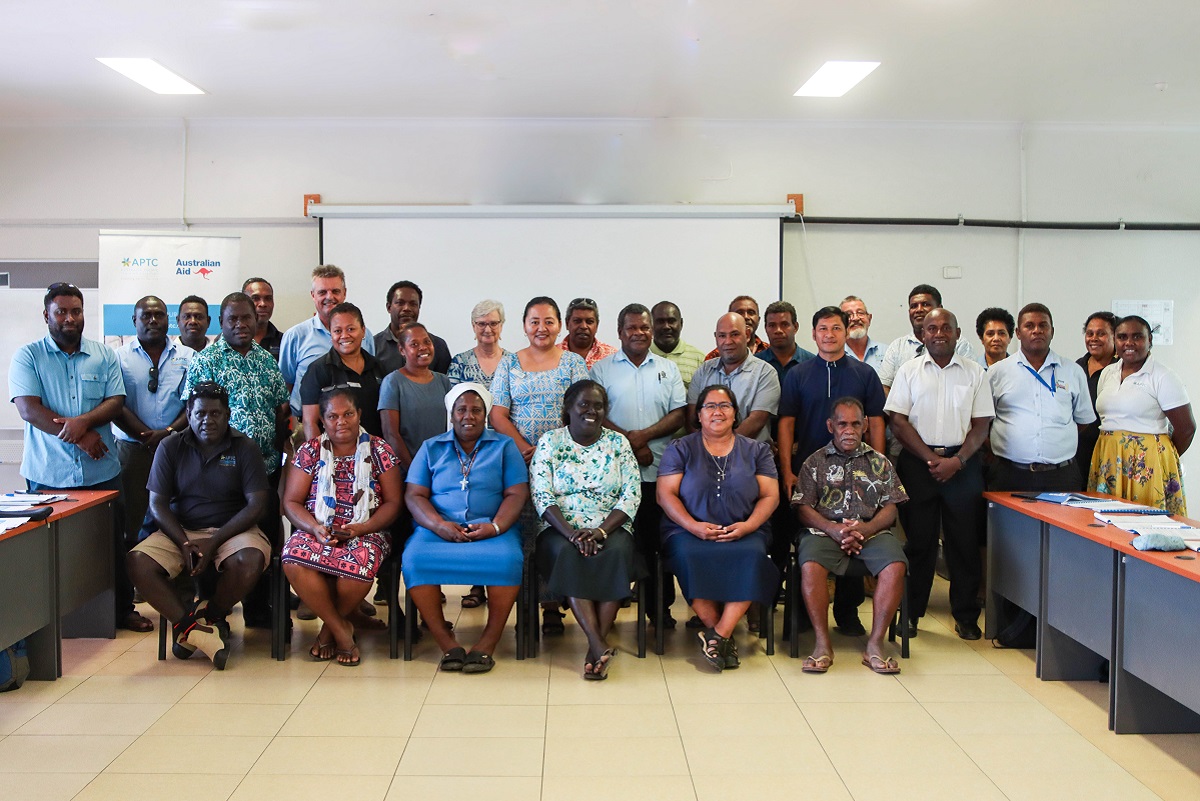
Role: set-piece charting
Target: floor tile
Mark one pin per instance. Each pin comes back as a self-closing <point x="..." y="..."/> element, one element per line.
<point x="1171" y="785"/>
<point x="491" y="788"/>
<point x="919" y="786"/>
<point x="605" y="721"/>
<point x="637" y="756"/>
<point x="355" y="756"/>
<point x="247" y="720"/>
<point x="1036" y="753"/>
<point x="308" y="787"/>
<point x="964" y="718"/>
<point x="223" y="754"/>
<point x="121" y="689"/>
<point x="920" y="754"/>
<point x="1053" y="786"/>
<point x="45" y="786"/>
<point x="66" y="718"/>
<point x="488" y="756"/>
<point x="366" y="691"/>
<point x="1147" y="752"/>
<point x="489" y="689"/>
<point x="768" y="785"/>
<point x="384" y="719"/>
<point x="13" y="716"/>
<point x="996" y="688"/>
<point x="797" y="754"/>
<point x="90" y="753"/>
<point x="625" y="788"/>
<point x="852" y="718"/>
<point x="41" y="692"/>
<point x="457" y="720"/>
<point x="852" y="683"/>
<point x="222" y="688"/>
<point x="156" y="787"/>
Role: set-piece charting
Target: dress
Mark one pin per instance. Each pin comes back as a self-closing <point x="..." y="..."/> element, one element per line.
<point x="1090" y="433"/>
<point x="356" y="558"/>
<point x="534" y="399"/>
<point x="719" y="571"/>
<point x="1135" y="458"/>
<point x="497" y="465"/>
<point x="586" y="484"/>
<point x="465" y="367"/>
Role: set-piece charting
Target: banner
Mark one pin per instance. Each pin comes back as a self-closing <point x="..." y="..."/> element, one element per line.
<point x="170" y="266"/>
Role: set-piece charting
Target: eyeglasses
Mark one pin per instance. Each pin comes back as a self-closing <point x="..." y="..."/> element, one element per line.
<point x="582" y="303"/>
<point x="487" y="323"/>
<point x="723" y="406"/>
<point x="152" y="385"/>
<point x="856" y="314"/>
<point x="60" y="285"/>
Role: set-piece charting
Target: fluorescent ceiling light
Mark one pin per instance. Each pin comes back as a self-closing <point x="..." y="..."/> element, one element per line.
<point x="152" y="75"/>
<point x="835" y="78"/>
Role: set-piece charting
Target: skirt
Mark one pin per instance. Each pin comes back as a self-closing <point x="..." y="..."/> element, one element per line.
<point x="358" y="558"/>
<point x="566" y="573"/>
<point x="723" y="571"/>
<point x="1143" y="468"/>
<point x="494" y="562"/>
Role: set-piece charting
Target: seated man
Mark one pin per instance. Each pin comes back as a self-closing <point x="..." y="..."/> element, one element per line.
<point x="846" y="494"/>
<point x="208" y="487"/>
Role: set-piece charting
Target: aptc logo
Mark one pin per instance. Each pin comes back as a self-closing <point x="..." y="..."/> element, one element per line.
<point x="140" y="262"/>
<point x="200" y="267"/>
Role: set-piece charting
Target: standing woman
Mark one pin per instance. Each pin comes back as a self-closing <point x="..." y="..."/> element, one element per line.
<point x="412" y="398"/>
<point x="346" y="364"/>
<point x="717" y="490"/>
<point x="1099" y="338"/>
<point x="527" y="392"/>
<point x="1146" y="424"/>
<point x="480" y="362"/>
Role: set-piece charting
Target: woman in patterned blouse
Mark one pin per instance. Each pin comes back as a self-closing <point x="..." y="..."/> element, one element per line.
<point x="480" y="362"/>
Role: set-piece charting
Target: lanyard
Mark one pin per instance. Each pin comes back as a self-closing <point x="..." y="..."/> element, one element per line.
<point x="1052" y="386"/>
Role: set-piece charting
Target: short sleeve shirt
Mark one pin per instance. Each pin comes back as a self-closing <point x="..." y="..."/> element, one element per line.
<point x="303" y="344"/>
<point x="387" y="350"/>
<point x="940" y="402"/>
<point x="699" y="471"/>
<point x="686" y="357"/>
<point x="496" y="465"/>
<point x="847" y="486"/>
<point x="329" y="371"/>
<point x="160" y="408"/>
<point x="641" y="395"/>
<point x="422" y="407"/>
<point x="1038" y="412"/>
<point x="909" y="347"/>
<point x="587" y="483"/>
<point x="753" y="382"/>
<point x="1138" y="403"/>
<point x="206" y="492"/>
<point x="598" y="351"/>
<point x="534" y="398"/>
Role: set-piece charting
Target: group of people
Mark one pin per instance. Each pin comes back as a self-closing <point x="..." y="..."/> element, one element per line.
<point x="593" y="460"/>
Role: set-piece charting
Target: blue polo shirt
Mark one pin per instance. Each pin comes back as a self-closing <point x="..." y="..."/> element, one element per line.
<point x="641" y="395"/>
<point x="303" y="344"/>
<point x="810" y="388"/>
<point x="69" y="386"/>
<point x="156" y="409"/>
<point x="799" y="357"/>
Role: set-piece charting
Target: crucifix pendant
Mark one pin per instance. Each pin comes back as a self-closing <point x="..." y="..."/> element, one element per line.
<point x="463" y="484"/>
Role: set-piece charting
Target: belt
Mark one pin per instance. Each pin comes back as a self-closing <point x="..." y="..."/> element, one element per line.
<point x="945" y="450"/>
<point x="1040" y="467"/>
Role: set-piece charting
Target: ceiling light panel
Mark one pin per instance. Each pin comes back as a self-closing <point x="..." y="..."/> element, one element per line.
<point x="152" y="75"/>
<point x="835" y="78"/>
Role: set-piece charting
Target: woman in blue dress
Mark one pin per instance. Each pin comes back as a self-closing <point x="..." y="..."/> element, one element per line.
<point x="466" y="488"/>
<point x="717" y="490"/>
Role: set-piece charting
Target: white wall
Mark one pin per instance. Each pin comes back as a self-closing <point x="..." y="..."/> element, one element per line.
<point x="244" y="174"/>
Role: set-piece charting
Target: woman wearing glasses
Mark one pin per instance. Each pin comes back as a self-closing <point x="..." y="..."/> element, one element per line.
<point x="717" y="490"/>
<point x="345" y="365"/>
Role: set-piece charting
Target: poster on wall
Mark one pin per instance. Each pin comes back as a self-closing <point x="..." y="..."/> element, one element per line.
<point x="171" y="266"/>
<point x="1159" y="313"/>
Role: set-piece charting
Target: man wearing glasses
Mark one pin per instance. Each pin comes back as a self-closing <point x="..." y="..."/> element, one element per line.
<point x="68" y="390"/>
<point x="859" y="344"/>
<point x="582" y="320"/>
<point x="153" y="368"/>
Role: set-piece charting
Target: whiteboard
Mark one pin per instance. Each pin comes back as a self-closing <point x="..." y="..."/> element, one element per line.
<point x="21" y="311"/>
<point x="699" y="264"/>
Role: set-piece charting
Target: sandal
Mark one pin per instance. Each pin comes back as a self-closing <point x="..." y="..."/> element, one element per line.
<point x="352" y="658"/>
<point x="321" y="651"/>
<point x="882" y="666"/>
<point x="552" y="622"/>
<point x="476" y="598"/>
<point x="453" y="660"/>
<point x="591" y="668"/>
<point x="728" y="651"/>
<point x="600" y="669"/>
<point x="478" y="662"/>
<point x="817" y="664"/>
<point x="710" y="647"/>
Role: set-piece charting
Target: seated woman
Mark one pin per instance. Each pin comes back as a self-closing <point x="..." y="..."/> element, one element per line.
<point x="341" y="497"/>
<point x="465" y="491"/>
<point x="586" y="487"/>
<point x="717" y="490"/>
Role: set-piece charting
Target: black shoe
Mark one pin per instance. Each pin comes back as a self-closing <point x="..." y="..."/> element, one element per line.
<point x="256" y="621"/>
<point x="552" y="622"/>
<point x="668" y="621"/>
<point x="694" y="622"/>
<point x="968" y="630"/>
<point x="851" y="627"/>
<point x="912" y="629"/>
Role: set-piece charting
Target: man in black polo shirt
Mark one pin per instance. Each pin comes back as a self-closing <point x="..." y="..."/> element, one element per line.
<point x="208" y="488"/>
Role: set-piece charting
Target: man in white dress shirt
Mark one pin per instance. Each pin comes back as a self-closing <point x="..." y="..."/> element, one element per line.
<point x="921" y="300"/>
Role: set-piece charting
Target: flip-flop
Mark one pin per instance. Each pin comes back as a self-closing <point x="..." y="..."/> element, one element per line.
<point x="589" y="669"/>
<point x="317" y="651"/>
<point x="817" y="664"/>
<point x="474" y="600"/>
<point x="355" y="659"/>
<point x="600" y="669"/>
<point x="880" y="665"/>
<point x="453" y="660"/>
<point x="478" y="662"/>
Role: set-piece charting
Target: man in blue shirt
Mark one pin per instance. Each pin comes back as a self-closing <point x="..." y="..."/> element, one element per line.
<point x="646" y="403"/>
<point x="68" y="390"/>
<point x="858" y="339"/>
<point x="782" y="326"/>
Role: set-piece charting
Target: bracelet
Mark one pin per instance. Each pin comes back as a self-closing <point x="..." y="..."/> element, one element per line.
<point x="495" y="525"/>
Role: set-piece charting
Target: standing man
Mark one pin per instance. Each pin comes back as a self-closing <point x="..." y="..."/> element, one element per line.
<point x="646" y="403"/>
<point x="262" y="295"/>
<point x="668" y="341"/>
<point x="68" y="390"/>
<point x="940" y="408"/>
<point x="582" y="322"/>
<point x="153" y="369"/>
<point x="404" y="301"/>
<point x="782" y="326"/>
<point x="804" y="411"/>
<point x="193" y="321"/>
<point x="748" y="308"/>
<point x="1041" y="403"/>
<point x="858" y="341"/>
<point x="921" y="300"/>
<point x="309" y="340"/>
<point x="753" y="381"/>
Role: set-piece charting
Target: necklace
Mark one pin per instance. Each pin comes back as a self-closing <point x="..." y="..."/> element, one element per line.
<point x="465" y="465"/>
<point x="721" y="464"/>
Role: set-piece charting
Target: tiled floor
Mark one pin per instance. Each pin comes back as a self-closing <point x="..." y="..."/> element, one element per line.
<point x="963" y="721"/>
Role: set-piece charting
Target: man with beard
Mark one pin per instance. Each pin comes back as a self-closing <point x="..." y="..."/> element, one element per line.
<point x="193" y="322"/>
<point x="404" y="301"/>
<point x="921" y="300"/>
<point x="582" y="321"/>
<point x="858" y="341"/>
<point x="68" y="390"/>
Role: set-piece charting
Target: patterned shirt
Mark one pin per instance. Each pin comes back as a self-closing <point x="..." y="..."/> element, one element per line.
<point x="686" y="357"/>
<point x="255" y="388"/>
<point x="756" y="347"/>
<point x="534" y="399"/>
<point x="585" y="483"/>
<point x="465" y="367"/>
<point x="847" y="486"/>
<point x="598" y="351"/>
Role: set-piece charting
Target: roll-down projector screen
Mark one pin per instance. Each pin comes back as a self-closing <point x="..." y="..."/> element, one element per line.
<point x="698" y="263"/>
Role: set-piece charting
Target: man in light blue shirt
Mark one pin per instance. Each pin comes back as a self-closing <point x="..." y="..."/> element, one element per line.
<point x="153" y="368"/>
<point x="68" y="390"/>
<point x="752" y="380"/>
<point x="646" y="403"/>
<point x="859" y="344"/>
<point x="305" y="342"/>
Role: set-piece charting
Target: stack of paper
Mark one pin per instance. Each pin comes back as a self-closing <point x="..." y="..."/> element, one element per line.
<point x="9" y="523"/>
<point x="30" y="498"/>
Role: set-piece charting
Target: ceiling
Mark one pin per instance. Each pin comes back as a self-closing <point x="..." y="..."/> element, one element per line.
<point x="1030" y="61"/>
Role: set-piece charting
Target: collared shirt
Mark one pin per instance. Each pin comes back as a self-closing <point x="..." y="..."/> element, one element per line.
<point x="686" y="357"/>
<point x="872" y="356"/>
<point x="69" y="386"/>
<point x="909" y="347"/>
<point x="641" y="395"/>
<point x="206" y="492"/>
<point x="847" y="486"/>
<point x="799" y="356"/>
<point x="1137" y="404"/>
<point x="754" y="384"/>
<point x="597" y="352"/>
<point x="1033" y="424"/>
<point x="495" y="465"/>
<point x="160" y="408"/>
<point x="302" y="344"/>
<point x="330" y="371"/>
<point x="255" y="387"/>
<point x="809" y="389"/>
<point x="272" y="341"/>
<point x="940" y="402"/>
<point x="387" y="350"/>
<point x="757" y="346"/>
